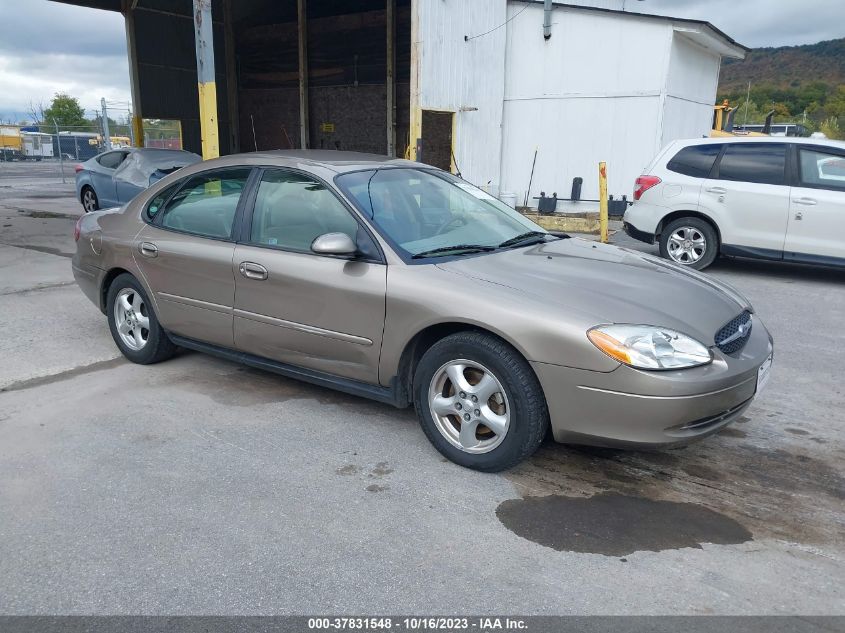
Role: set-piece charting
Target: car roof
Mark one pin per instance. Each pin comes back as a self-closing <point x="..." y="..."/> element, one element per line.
<point x="763" y="139"/>
<point x="336" y="161"/>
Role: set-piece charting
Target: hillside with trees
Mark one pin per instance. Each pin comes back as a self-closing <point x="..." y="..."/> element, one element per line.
<point x="803" y="84"/>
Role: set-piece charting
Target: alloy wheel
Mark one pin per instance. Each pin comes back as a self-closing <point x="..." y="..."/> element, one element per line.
<point x="469" y="406"/>
<point x="89" y="201"/>
<point x="687" y="245"/>
<point x="131" y="319"/>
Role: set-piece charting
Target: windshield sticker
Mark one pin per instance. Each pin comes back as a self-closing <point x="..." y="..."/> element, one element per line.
<point x="478" y="193"/>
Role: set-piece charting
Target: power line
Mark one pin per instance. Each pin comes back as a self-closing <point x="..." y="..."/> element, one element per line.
<point x="528" y="3"/>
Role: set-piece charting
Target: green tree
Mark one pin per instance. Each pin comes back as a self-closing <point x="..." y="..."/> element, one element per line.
<point x="66" y="111"/>
<point x="830" y="128"/>
<point x="835" y="104"/>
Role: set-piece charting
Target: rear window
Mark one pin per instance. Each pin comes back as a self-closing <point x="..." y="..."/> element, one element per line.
<point x="695" y="160"/>
<point x="111" y="160"/>
<point x="763" y="163"/>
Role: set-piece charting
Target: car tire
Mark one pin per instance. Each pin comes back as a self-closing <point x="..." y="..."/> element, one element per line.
<point x="690" y="242"/>
<point x="514" y="397"/>
<point x="133" y="323"/>
<point x="90" y="202"/>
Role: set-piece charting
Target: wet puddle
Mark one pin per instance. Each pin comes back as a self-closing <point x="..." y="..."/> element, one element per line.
<point x="720" y="491"/>
<point x="615" y="525"/>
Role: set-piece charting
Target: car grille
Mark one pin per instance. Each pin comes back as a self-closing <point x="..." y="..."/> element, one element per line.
<point x="734" y="334"/>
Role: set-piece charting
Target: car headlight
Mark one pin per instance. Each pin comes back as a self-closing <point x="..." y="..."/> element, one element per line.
<point x="649" y="347"/>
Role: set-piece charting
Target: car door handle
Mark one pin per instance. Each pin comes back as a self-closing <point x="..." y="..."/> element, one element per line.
<point x="807" y="201"/>
<point x="717" y="190"/>
<point x="148" y="249"/>
<point x="251" y="270"/>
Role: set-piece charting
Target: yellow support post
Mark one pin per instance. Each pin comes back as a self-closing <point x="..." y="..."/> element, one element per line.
<point x="206" y="85"/>
<point x="603" y="201"/>
<point x="415" y="122"/>
<point x="138" y="130"/>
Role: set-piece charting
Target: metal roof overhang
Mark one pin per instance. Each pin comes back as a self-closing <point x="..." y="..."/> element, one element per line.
<point x="706" y="37"/>
<point x="106" y="5"/>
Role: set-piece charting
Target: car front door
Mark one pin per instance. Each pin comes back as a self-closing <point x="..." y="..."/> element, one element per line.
<point x="102" y="177"/>
<point x="749" y="192"/>
<point x="294" y="306"/>
<point x="817" y="206"/>
<point x="185" y="254"/>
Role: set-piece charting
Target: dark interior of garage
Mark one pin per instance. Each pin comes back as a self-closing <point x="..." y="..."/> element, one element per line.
<point x="347" y="96"/>
<point x="347" y="67"/>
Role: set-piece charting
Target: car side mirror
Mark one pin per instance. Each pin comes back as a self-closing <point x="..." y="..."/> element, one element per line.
<point x="334" y="244"/>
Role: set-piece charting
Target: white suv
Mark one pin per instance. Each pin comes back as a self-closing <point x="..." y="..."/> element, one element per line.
<point x="763" y="197"/>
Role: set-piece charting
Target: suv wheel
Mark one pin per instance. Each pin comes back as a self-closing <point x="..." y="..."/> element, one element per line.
<point x="133" y="324"/>
<point x="689" y="242"/>
<point x="479" y="402"/>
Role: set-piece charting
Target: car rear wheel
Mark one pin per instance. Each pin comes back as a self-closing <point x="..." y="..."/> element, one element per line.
<point x="89" y="200"/>
<point x="133" y="323"/>
<point x="690" y="242"/>
<point x="479" y="402"/>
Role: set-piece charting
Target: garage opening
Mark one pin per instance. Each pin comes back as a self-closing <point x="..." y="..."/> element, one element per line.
<point x="347" y="102"/>
<point x="436" y="142"/>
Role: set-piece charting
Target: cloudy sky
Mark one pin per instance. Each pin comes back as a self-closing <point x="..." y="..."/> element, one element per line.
<point x="47" y="47"/>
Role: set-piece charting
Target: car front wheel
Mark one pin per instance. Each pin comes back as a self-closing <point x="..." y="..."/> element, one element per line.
<point x="479" y="402"/>
<point x="689" y="242"/>
<point x="133" y="323"/>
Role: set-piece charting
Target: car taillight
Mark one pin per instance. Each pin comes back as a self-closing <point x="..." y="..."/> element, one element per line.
<point x="643" y="184"/>
<point x="78" y="168"/>
<point x="77" y="229"/>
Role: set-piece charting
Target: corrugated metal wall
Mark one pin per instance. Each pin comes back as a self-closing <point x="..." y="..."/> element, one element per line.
<point x="590" y="93"/>
<point x="456" y="74"/>
<point x="690" y="91"/>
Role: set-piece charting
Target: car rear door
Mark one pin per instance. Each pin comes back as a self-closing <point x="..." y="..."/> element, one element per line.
<point x="817" y="206"/>
<point x="749" y="192"/>
<point x="102" y="177"/>
<point x="185" y="254"/>
<point x="294" y="306"/>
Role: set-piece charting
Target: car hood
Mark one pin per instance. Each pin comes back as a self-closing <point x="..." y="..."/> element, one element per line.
<point x="606" y="284"/>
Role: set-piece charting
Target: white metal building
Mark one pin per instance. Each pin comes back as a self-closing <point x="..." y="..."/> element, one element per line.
<point x="606" y="85"/>
<point x="469" y="84"/>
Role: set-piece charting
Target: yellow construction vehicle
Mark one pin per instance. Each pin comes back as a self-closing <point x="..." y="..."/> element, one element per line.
<point x="723" y="122"/>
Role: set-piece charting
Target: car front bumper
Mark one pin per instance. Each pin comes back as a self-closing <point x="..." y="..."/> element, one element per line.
<point x="631" y="408"/>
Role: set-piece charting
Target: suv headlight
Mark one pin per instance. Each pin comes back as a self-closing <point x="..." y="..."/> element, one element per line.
<point x="649" y="347"/>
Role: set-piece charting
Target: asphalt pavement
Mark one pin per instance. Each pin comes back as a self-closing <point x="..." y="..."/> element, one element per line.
<point x="200" y="487"/>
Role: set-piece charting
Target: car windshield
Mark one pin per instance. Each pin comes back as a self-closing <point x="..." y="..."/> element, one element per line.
<point x="434" y="214"/>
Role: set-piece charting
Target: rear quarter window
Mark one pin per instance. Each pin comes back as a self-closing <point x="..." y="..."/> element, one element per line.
<point x="695" y="160"/>
<point x="159" y="201"/>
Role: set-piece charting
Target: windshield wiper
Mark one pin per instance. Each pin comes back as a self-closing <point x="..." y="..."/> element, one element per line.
<point x="460" y="248"/>
<point x="528" y="237"/>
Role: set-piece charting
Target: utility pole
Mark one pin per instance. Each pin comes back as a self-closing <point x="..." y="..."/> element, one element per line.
<point x="61" y="154"/>
<point x="747" y="99"/>
<point x="106" y="136"/>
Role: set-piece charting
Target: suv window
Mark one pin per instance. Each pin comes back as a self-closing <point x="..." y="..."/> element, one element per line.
<point x="763" y="163"/>
<point x="110" y="160"/>
<point x="291" y="210"/>
<point x="695" y="160"/>
<point x="206" y="204"/>
<point x="821" y="169"/>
